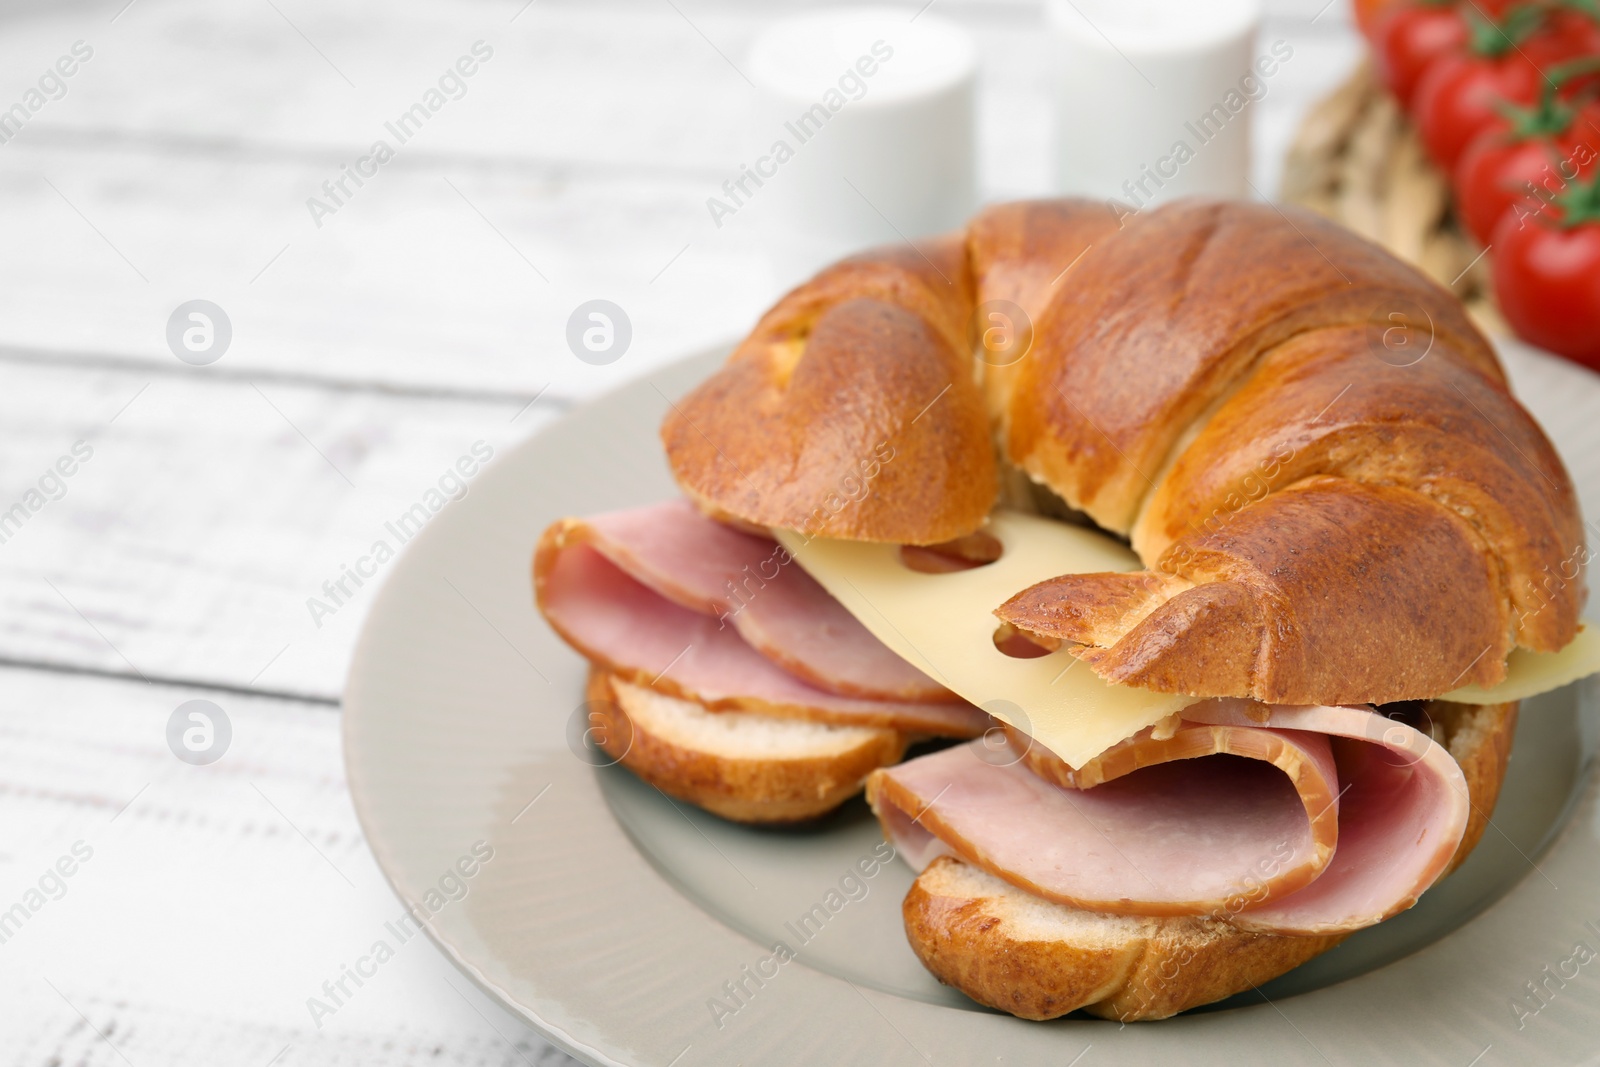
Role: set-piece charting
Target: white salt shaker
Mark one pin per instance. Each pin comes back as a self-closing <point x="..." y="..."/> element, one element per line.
<point x="1154" y="98"/>
<point x="866" y="130"/>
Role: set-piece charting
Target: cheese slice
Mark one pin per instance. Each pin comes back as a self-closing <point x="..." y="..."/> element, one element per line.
<point x="945" y="624"/>
<point x="1530" y="673"/>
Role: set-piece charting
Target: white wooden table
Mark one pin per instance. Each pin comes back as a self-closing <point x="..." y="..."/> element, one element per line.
<point x="368" y="353"/>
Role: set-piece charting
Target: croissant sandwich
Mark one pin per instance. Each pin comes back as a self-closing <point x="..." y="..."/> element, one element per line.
<point x="1213" y="534"/>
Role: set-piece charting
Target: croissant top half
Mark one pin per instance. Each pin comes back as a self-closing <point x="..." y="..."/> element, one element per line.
<point x="1310" y="446"/>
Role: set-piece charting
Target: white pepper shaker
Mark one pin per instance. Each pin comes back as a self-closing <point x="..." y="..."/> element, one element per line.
<point x="1154" y="98"/>
<point x="866" y="129"/>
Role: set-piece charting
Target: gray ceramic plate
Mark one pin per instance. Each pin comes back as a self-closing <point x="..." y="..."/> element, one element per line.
<point x="614" y="920"/>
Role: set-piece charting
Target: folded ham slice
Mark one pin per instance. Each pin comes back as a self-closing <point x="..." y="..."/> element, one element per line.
<point x="750" y="583"/>
<point x="1233" y="813"/>
<point x="646" y="594"/>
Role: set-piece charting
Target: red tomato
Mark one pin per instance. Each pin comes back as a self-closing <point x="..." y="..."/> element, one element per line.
<point x="1409" y="38"/>
<point x="1457" y="96"/>
<point x="1497" y="168"/>
<point x="1547" y="274"/>
<point x="1580" y="33"/>
<point x="1568" y="35"/>
<point x="1369" y="13"/>
<point x="1460" y="94"/>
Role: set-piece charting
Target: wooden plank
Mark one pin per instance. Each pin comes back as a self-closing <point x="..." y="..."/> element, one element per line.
<point x="205" y="904"/>
<point x="190" y="541"/>
<point x="433" y="280"/>
<point x="575" y="79"/>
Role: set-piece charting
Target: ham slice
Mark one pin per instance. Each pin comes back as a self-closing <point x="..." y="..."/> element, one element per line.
<point x="636" y="631"/>
<point x="751" y="583"/>
<point x="1233" y="813"/>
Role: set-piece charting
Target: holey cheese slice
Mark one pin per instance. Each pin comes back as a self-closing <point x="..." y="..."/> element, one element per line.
<point x="945" y="624"/>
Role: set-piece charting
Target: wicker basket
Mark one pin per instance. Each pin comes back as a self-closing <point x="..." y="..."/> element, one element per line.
<point x="1358" y="160"/>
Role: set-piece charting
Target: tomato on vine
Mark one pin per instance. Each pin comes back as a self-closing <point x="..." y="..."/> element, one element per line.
<point x="1577" y="23"/>
<point x="1408" y="38"/>
<point x="1547" y="273"/>
<point x="1460" y="93"/>
<point x="1528" y="154"/>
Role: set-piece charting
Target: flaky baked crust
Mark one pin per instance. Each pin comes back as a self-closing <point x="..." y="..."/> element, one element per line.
<point x="1038" y="960"/>
<point x="1025" y="252"/>
<point x="757" y="787"/>
<point x="851" y="411"/>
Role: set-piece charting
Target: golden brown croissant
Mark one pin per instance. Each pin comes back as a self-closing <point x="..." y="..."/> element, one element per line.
<point x="851" y="410"/>
<point x="1324" y="518"/>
